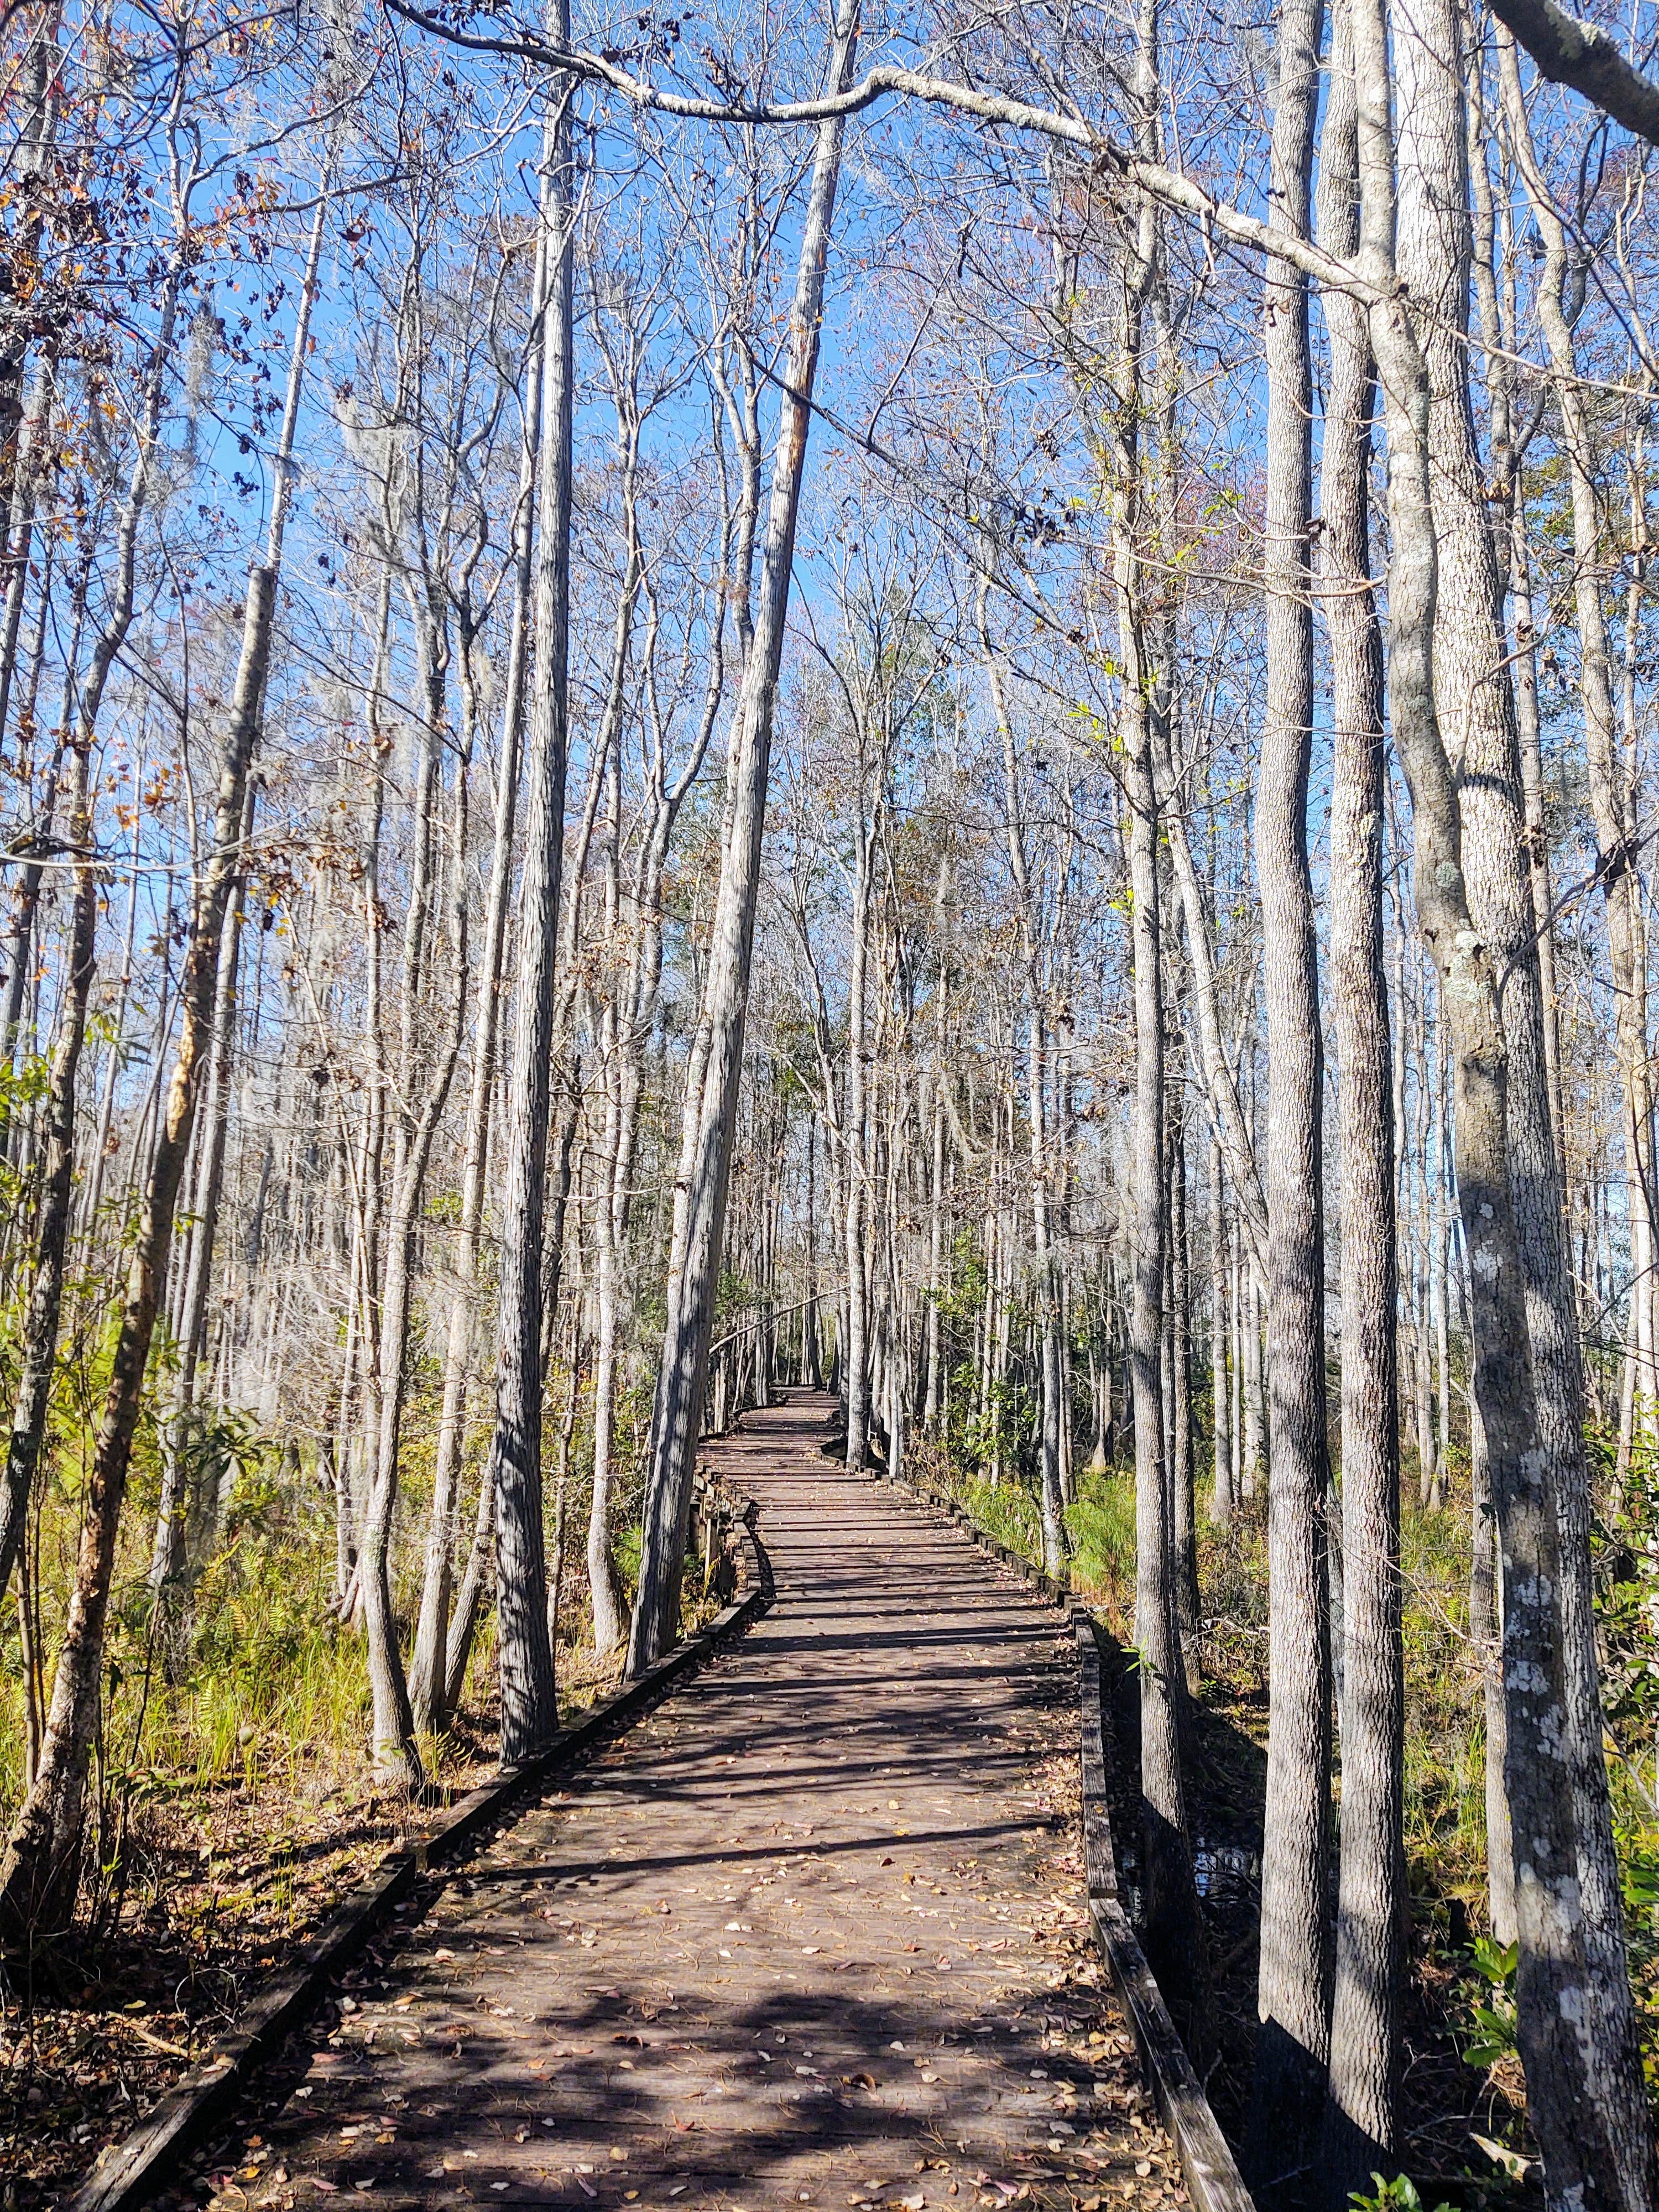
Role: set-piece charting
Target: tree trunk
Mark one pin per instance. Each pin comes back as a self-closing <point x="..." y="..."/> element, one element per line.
<point x="1434" y="254"/>
<point x="1049" y="1497"/>
<point x="429" y="1673"/>
<point x="1361" y="2114"/>
<point x="1221" y="1497"/>
<point x="855" y="1376"/>
<point x="1293" y="1992"/>
<point x="1183" y="1522"/>
<point x="167" y="1559"/>
<point x="693" y="1275"/>
<point x="529" y="1708"/>
<point x="40" y="1347"/>
<point x="1171" y="1908"/>
<point x="1587" y="2162"/>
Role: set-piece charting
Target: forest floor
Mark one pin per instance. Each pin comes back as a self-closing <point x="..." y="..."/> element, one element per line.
<point x="218" y="1886"/>
<point x="813" y="1932"/>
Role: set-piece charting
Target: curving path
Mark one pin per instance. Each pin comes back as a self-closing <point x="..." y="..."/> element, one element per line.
<point x="812" y="1933"/>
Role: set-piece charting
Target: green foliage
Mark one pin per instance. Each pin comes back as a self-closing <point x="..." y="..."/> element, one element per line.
<point x="1492" y="2037"/>
<point x="1399" y="2195"/>
<point x="1625" y="1552"/>
<point x="1006" y="1511"/>
<point x="627" y="1548"/>
<point x="1101" y="1525"/>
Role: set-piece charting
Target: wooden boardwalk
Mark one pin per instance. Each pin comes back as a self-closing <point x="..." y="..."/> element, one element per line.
<point x="812" y="1933"/>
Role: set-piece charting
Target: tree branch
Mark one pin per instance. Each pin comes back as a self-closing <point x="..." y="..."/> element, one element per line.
<point x="1169" y="185"/>
<point x="1582" y="55"/>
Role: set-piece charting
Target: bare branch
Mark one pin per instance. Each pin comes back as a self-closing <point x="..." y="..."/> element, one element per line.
<point x="1169" y="185"/>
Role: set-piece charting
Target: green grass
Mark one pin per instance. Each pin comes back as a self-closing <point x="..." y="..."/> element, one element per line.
<point x="1101" y="1528"/>
<point x="1100" y="1522"/>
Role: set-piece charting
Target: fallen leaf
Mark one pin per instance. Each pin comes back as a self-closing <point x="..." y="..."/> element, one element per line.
<point x="1512" y="2161"/>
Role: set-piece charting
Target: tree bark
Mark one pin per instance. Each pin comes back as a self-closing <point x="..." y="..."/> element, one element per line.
<point x="167" y="1556"/>
<point x="712" y="1092"/>
<point x="1585" y="2163"/>
<point x="1172" y="1933"/>
<point x="1293" y="1991"/>
<point x="529" y="1707"/>
<point x="1184" y="1522"/>
<point x="1361" y="2114"/>
<point x="855" y="1368"/>
<point x="1434" y="253"/>
<point x="1221" y="1496"/>
<point x="429" y="1673"/>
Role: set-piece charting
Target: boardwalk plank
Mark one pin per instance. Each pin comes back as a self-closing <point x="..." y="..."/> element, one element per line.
<point x="815" y="1932"/>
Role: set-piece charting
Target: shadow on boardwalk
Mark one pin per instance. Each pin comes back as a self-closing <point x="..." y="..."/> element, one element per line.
<point x="811" y="1932"/>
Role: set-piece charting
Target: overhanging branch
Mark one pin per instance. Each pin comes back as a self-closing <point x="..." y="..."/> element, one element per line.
<point x="1584" y="56"/>
<point x="1167" y="186"/>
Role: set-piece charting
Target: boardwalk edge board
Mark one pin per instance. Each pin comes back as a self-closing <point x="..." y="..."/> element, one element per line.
<point x="1213" y="2181"/>
<point x="129" y="2173"/>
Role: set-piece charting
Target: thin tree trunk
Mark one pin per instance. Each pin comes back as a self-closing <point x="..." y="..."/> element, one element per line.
<point x="1294" y="1989"/>
<point x="40" y="1875"/>
<point x="855" y="1375"/>
<point x="529" y="1708"/>
<point x="39" y="1347"/>
<point x="1184" y="1519"/>
<point x="167" y="1550"/>
<point x="1049" y="1496"/>
<point x="1253" y="1396"/>
<point x="1171" y="1911"/>
<point x="394" y="1748"/>
<point x="1221" y="1497"/>
<point x="1361" y="2115"/>
<point x="429" y="1673"/>
<point x="481" y="1552"/>
<point x="711" y="1114"/>
<point x="1486" y="1636"/>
